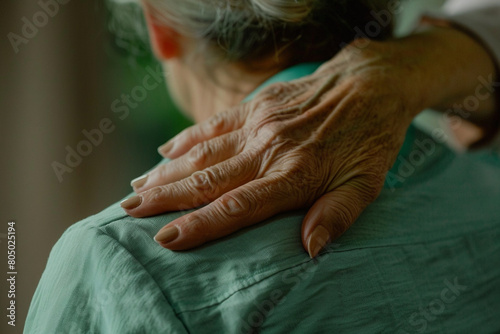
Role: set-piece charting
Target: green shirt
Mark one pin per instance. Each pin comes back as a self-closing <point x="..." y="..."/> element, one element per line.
<point x="424" y="257"/>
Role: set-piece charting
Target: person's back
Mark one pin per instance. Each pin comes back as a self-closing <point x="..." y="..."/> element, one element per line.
<point x="421" y="258"/>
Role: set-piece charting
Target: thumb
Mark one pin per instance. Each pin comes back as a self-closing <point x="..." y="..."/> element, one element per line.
<point x="330" y="216"/>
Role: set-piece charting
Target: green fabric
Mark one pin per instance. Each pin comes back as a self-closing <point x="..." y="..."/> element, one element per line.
<point x="424" y="257"/>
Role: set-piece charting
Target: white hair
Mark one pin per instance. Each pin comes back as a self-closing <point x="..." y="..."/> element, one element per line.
<point x="237" y="27"/>
<point x="249" y="30"/>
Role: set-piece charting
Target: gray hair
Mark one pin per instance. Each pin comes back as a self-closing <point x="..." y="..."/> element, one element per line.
<point x="249" y="30"/>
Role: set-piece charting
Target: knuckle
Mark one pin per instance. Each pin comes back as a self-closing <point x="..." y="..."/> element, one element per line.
<point x="268" y="132"/>
<point x="273" y="93"/>
<point x="275" y="97"/>
<point x="199" y="154"/>
<point x="235" y="206"/>
<point x="204" y="182"/>
<point x="216" y="124"/>
<point x="157" y="195"/>
<point x="285" y="92"/>
<point x="280" y="92"/>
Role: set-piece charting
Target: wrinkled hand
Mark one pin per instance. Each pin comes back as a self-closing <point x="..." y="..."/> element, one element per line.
<point x="324" y="142"/>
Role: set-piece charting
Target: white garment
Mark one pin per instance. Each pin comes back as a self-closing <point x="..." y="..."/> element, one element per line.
<point x="481" y="20"/>
<point x="480" y="17"/>
<point x="463" y="6"/>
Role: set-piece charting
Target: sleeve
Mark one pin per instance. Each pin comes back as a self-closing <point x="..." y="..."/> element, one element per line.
<point x="92" y="284"/>
<point x="481" y="20"/>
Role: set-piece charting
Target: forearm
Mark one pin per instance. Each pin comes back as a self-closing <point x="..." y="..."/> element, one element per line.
<point x="480" y="20"/>
<point x="455" y="72"/>
<point x="434" y="67"/>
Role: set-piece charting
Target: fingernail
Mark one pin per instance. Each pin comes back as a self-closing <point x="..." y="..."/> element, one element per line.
<point x="318" y="239"/>
<point x="167" y="234"/>
<point x="165" y="149"/>
<point x="139" y="182"/>
<point x="131" y="203"/>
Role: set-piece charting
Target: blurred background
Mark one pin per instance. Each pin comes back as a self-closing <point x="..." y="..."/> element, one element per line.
<point x="66" y="69"/>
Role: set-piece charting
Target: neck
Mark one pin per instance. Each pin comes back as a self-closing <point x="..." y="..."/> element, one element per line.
<point x="201" y="94"/>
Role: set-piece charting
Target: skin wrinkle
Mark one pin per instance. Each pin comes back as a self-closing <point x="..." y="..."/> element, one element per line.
<point x="221" y="179"/>
<point x="269" y="155"/>
<point x="273" y="190"/>
<point x="198" y="155"/>
<point x="343" y="212"/>
<point x="322" y="90"/>
<point x="206" y="183"/>
<point x="363" y="122"/>
<point x="347" y="176"/>
<point x="275" y="150"/>
<point x="281" y="113"/>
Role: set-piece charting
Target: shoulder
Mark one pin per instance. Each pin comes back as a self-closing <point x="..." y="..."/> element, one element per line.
<point x="93" y="283"/>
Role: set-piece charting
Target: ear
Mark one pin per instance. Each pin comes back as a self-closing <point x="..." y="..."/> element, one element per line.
<point x="165" y="40"/>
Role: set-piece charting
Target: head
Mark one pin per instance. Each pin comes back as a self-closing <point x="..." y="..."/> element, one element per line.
<point x="215" y="52"/>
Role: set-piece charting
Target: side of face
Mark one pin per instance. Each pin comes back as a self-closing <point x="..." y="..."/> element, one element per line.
<point x="169" y="46"/>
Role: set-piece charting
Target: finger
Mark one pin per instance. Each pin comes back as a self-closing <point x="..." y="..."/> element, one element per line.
<point x="200" y="188"/>
<point x="201" y="156"/>
<point x="216" y="125"/>
<point x="247" y="205"/>
<point x="330" y="216"/>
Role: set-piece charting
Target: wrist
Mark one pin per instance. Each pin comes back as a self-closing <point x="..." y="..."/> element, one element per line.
<point x="448" y="66"/>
